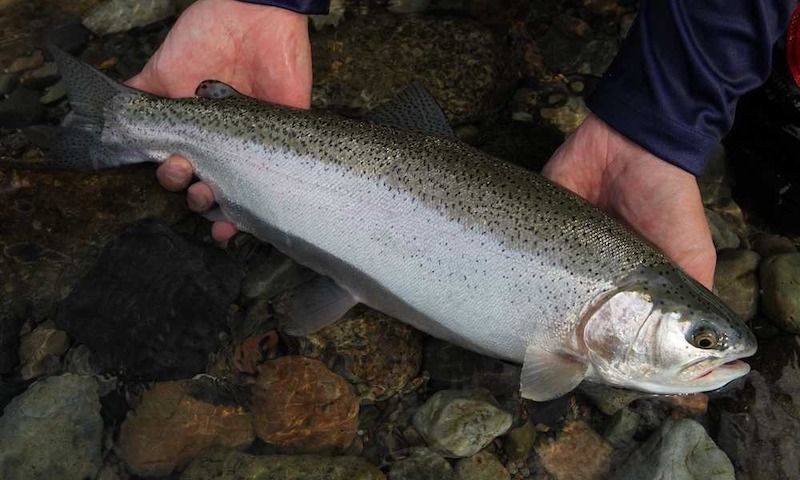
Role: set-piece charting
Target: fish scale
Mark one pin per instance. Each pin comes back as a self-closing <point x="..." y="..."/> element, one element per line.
<point x="429" y="230"/>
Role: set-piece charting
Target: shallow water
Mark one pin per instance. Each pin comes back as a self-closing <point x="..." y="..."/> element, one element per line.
<point x="174" y="353"/>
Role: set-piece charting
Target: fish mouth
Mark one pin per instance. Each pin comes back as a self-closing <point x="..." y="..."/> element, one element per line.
<point x="732" y="369"/>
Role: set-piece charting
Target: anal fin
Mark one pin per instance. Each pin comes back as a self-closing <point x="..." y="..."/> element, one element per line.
<point x="314" y="305"/>
<point x="547" y="375"/>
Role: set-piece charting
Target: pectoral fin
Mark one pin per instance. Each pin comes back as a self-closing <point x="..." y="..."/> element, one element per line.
<point x="314" y="305"/>
<point x="547" y="375"/>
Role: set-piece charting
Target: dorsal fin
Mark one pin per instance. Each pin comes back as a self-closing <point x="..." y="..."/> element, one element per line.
<point x="414" y="108"/>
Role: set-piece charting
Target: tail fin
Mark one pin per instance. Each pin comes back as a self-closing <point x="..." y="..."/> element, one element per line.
<point x="78" y="144"/>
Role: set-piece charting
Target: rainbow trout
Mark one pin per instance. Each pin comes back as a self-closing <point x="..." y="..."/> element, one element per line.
<point x="399" y="215"/>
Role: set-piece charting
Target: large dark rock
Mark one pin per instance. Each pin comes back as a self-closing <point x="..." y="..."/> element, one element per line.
<point x="153" y="305"/>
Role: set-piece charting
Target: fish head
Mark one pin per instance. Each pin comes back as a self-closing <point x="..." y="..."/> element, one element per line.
<point x="660" y="331"/>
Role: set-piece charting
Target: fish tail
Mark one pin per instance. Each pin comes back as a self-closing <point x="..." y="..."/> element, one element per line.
<point x="79" y="143"/>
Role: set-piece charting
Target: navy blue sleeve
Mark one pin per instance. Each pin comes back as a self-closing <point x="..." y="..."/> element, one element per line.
<point x="674" y="84"/>
<point x="307" y="7"/>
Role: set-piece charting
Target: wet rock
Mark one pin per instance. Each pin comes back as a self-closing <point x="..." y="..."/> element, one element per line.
<point x="9" y="341"/>
<point x="232" y="465"/>
<point x="153" y="305"/>
<point x="780" y="286"/>
<point x="680" y="449"/>
<point x="408" y="6"/>
<point x="608" y="399"/>
<point x="622" y="428"/>
<point x="422" y="464"/>
<point x="40" y="77"/>
<point x="7" y="83"/>
<point x="54" y="93"/>
<point x="29" y="62"/>
<point x="481" y="466"/>
<point x="518" y="443"/>
<point x="767" y="245"/>
<point x="301" y="406"/>
<point x="273" y="275"/>
<point x="70" y="36"/>
<point x="735" y="281"/>
<point x="691" y="404"/>
<point x="722" y="233"/>
<point x="758" y="423"/>
<point x="21" y="109"/>
<point x="177" y="421"/>
<point x="379" y="355"/>
<point x="558" y="456"/>
<point x="113" y="16"/>
<point x="53" y="430"/>
<point x="79" y="361"/>
<point x="459" y="423"/>
<point x="40" y="351"/>
<point x="566" y="117"/>
<point x="369" y="59"/>
<point x="451" y="367"/>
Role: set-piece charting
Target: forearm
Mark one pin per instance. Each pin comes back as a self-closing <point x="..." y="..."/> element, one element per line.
<point x="674" y="84"/>
<point x="308" y="7"/>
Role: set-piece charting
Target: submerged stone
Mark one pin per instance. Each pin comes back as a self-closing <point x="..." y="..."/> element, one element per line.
<point x="422" y="464"/>
<point x="560" y="456"/>
<point x="301" y="406"/>
<point x="41" y="349"/>
<point x="177" y="421"/>
<point x="52" y="430"/>
<point x="459" y="423"/>
<point x="679" y="450"/>
<point x="233" y="465"/>
<point x="153" y="305"/>
<point x="735" y="281"/>
<point x="113" y="16"/>
<point x="481" y="466"/>
<point x="780" y="286"/>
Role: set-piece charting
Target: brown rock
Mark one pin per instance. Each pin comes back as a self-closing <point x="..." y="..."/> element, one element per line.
<point x="694" y="404"/>
<point x="22" y="64"/>
<point x="39" y="350"/>
<point x="301" y="406"/>
<point x="379" y="355"/>
<point x="560" y="456"/>
<point x="176" y="422"/>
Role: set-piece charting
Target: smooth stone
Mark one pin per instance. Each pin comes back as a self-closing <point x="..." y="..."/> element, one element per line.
<point x="21" y="108"/>
<point x="41" y="349"/>
<point x="518" y="442"/>
<point x="481" y="466"/>
<point x="736" y="281"/>
<point x="379" y="355"/>
<point x="113" y="16"/>
<point x="8" y="81"/>
<point x="780" y="287"/>
<point x="620" y="431"/>
<point x="722" y="233"/>
<point x="139" y="313"/>
<point x="22" y="64"/>
<point x="163" y="434"/>
<point x="302" y="407"/>
<point x="422" y="464"/>
<point x="679" y="450"/>
<point x="53" y="430"/>
<point x="568" y="117"/>
<point x="273" y="275"/>
<point x="79" y="361"/>
<point x="559" y="456"/>
<point x="459" y="423"/>
<point x="54" y="93"/>
<point x="233" y="465"/>
<point x="608" y="399"/>
<point x="768" y="245"/>
<point x="40" y="77"/>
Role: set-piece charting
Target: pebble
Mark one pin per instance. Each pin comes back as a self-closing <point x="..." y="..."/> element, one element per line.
<point x="137" y="312"/>
<point x="722" y="233"/>
<point x="302" y="407"/>
<point x="679" y="450"/>
<point x="559" y="456"/>
<point x="736" y="282"/>
<point x="623" y="426"/>
<point x="518" y="443"/>
<point x="379" y="355"/>
<point x="40" y="351"/>
<point x="52" y="430"/>
<point x="608" y="399"/>
<point x="780" y="287"/>
<point x="54" y="93"/>
<point x="567" y="117"/>
<point x="459" y="423"/>
<point x="22" y="64"/>
<point x="768" y="245"/>
<point x="233" y="465"/>
<point x="481" y="466"/>
<point x="40" y="77"/>
<point x="114" y="16"/>
<point x="422" y="464"/>
<point x="177" y="421"/>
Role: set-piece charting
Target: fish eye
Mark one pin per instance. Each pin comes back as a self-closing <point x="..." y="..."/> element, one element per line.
<point x="705" y="339"/>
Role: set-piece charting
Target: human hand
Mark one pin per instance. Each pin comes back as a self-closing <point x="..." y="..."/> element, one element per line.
<point x="657" y="199"/>
<point x="261" y="51"/>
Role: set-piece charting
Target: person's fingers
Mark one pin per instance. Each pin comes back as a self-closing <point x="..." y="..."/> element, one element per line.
<point x="199" y="197"/>
<point x="223" y="231"/>
<point x="175" y="173"/>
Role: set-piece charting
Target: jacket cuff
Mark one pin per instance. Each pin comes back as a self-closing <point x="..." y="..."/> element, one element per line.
<point x="306" y="7"/>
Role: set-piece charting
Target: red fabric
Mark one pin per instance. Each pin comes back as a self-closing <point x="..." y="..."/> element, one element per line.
<point x="793" y="46"/>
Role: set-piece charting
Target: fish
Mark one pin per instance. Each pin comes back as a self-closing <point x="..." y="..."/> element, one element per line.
<point x="395" y="213"/>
